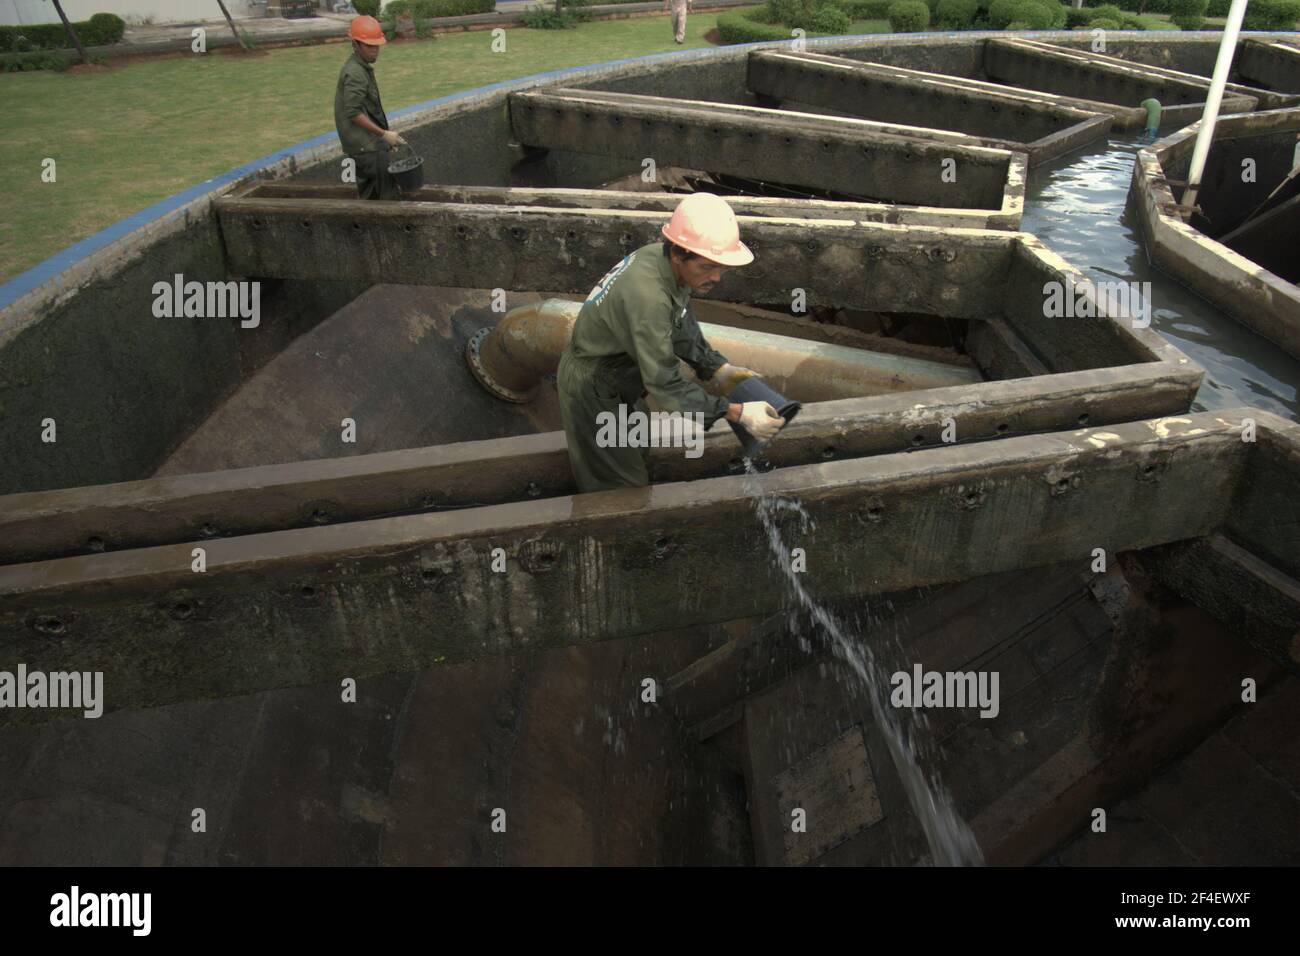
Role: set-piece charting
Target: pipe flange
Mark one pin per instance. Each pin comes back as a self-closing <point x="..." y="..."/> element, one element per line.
<point x="473" y="355"/>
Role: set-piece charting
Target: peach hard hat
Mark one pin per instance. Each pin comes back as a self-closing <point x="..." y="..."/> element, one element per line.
<point x="366" y="30"/>
<point x="706" y="225"/>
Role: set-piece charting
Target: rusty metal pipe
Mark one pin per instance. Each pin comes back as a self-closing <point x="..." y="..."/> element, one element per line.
<point x="511" y="359"/>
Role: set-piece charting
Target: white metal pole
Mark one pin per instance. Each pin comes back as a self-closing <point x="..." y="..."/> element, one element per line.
<point x="1222" y="66"/>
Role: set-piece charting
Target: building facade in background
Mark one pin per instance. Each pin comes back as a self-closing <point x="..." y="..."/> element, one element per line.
<point x="134" y="11"/>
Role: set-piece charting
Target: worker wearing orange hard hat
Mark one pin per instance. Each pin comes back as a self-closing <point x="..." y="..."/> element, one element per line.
<point x="359" y="114"/>
<point x="630" y="333"/>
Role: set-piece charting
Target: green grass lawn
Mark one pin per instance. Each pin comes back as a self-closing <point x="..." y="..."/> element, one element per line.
<point x="130" y="137"/>
<point x="868" y="26"/>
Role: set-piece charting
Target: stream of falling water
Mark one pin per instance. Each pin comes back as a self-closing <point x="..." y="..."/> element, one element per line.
<point x="1076" y="204"/>
<point x="951" y="841"/>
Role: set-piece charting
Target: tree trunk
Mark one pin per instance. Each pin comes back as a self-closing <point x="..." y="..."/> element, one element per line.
<point x="72" y="33"/>
<point x="238" y="36"/>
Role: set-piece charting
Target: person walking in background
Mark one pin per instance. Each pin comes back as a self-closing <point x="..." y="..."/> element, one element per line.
<point x="679" y="8"/>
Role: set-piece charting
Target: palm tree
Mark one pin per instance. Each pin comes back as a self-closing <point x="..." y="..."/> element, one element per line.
<point x="72" y="33"/>
<point x="238" y="36"/>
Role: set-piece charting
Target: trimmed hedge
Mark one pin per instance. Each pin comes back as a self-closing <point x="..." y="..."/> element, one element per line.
<point x="1078" y="18"/>
<point x="957" y="14"/>
<point x="908" y="16"/>
<point x="776" y="21"/>
<point x="791" y="13"/>
<point x="738" y="28"/>
<point x="760" y="26"/>
<point x="1020" y="15"/>
<point x="103" y="29"/>
<point x="812" y="16"/>
<point x="830" y="20"/>
<point x="1104" y="23"/>
<point x="429" y="9"/>
<point x="546" y="18"/>
<point x="867" y="9"/>
<point x="1135" y="6"/>
<point x="1215" y="8"/>
<point x="1189" y="14"/>
<point x="1272" y="15"/>
<point x="28" y="62"/>
<point x="1122" y="18"/>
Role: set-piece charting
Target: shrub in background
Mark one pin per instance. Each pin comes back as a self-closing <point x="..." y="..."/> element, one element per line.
<point x="366" y="8"/>
<point x="100" y="30"/>
<point x="545" y="18"/>
<point x="957" y="14"/>
<point x="788" y="12"/>
<point x="1020" y="15"/>
<point x="735" y="27"/>
<point x="1076" y="18"/>
<point x="830" y="19"/>
<point x="908" y="16"/>
<point x="867" y="9"/>
<point x="813" y="16"/>
<point x="27" y="62"/>
<point x="1272" y="15"/>
<point x="428" y="9"/>
<point x="1188" y="14"/>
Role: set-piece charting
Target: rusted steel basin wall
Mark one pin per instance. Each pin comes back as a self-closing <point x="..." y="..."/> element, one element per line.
<point x="994" y="116"/>
<point x="1270" y="63"/>
<point x="73" y="329"/>
<point x="295" y="607"/>
<point x="1077" y="73"/>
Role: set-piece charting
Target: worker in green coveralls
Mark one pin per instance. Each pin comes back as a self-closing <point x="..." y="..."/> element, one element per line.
<point x="633" y="328"/>
<point x="359" y="114"/>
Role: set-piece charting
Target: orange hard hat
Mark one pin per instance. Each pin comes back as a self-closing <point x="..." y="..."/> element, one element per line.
<point x="366" y="30"/>
<point x="705" y="224"/>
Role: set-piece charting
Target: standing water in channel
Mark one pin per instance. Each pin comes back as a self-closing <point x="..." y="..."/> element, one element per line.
<point x="1078" y="206"/>
<point x="951" y="842"/>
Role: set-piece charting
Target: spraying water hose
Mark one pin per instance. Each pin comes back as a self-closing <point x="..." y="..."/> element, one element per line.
<point x="756" y="390"/>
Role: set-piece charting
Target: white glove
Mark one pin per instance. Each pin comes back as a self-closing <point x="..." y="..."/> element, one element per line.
<point x="393" y="139"/>
<point x="760" y="419"/>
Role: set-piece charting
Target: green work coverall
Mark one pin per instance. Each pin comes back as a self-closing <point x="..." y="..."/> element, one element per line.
<point x="626" y="341"/>
<point x="358" y="92"/>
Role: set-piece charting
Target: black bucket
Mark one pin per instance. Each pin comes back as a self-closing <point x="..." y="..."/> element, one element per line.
<point x="408" y="171"/>
<point x="756" y="390"/>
